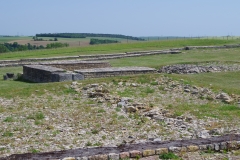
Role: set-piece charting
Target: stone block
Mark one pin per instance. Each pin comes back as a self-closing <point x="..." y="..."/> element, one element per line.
<point x="124" y="155"/>
<point x="113" y="156"/>
<point x="60" y="77"/>
<point x="10" y="75"/>
<point x="177" y="149"/>
<point x="98" y="157"/>
<point x="82" y="158"/>
<point x="77" y="77"/>
<point x="69" y="158"/>
<point x="216" y="146"/>
<point x="192" y="148"/>
<point x="135" y="154"/>
<point x="148" y="152"/>
<point x="203" y="147"/>
<point x="161" y="150"/>
<point x="223" y="145"/>
<point x="5" y="77"/>
<point x="210" y="146"/>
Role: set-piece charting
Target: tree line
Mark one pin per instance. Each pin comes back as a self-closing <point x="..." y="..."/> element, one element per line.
<point x="13" y="47"/>
<point x="101" y="41"/>
<point x="84" y="35"/>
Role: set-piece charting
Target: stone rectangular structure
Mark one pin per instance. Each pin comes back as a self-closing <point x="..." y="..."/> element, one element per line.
<point x="114" y="71"/>
<point x="72" y="65"/>
<point x="44" y="74"/>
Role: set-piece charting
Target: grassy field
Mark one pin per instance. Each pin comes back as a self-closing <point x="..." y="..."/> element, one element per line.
<point x="10" y="39"/>
<point x="73" y="42"/>
<point x="115" y="48"/>
<point x="192" y="56"/>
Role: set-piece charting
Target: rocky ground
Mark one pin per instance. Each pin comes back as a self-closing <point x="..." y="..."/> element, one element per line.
<point x="110" y="114"/>
<point x="199" y="68"/>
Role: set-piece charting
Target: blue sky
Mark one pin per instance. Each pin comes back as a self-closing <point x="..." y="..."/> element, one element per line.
<point x="128" y="17"/>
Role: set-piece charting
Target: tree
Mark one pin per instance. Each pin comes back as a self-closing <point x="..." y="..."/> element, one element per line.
<point x="3" y="49"/>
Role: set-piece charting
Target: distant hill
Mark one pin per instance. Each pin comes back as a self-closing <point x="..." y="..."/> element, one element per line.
<point x="84" y="35"/>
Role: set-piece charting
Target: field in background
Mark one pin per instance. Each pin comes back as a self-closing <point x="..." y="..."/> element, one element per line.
<point x="73" y="42"/>
<point x="116" y="48"/>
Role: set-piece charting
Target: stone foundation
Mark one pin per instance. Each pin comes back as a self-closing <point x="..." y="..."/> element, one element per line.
<point x="44" y="74"/>
<point x="127" y="151"/>
<point x="75" y="65"/>
<point x="114" y="71"/>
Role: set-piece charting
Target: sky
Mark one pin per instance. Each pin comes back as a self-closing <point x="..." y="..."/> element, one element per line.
<point x="127" y="17"/>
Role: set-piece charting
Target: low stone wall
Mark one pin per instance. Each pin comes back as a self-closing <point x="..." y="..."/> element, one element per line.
<point x="126" y="151"/>
<point x="212" y="47"/>
<point x="114" y="71"/>
<point x="44" y="74"/>
<point x="29" y="61"/>
<point x="75" y="65"/>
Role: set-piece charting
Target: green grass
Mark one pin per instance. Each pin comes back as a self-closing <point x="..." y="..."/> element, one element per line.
<point x="114" y="48"/>
<point x="8" y="39"/>
<point x="225" y="81"/>
<point x="207" y="110"/>
<point x="169" y="155"/>
<point x="192" y="56"/>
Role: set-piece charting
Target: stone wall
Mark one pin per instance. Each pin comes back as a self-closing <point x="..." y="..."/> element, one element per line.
<point x="136" y="151"/>
<point x="75" y="65"/>
<point x="114" y="71"/>
<point x="44" y="74"/>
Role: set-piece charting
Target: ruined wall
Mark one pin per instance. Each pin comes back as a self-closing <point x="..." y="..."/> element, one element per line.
<point x="75" y="65"/>
<point x="44" y="74"/>
<point x="114" y="71"/>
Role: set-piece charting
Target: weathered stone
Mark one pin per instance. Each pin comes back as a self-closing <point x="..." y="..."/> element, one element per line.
<point x="114" y="71"/>
<point x="10" y="75"/>
<point x="61" y="77"/>
<point x="69" y="158"/>
<point x="131" y="109"/>
<point x="232" y="145"/>
<point x="98" y="157"/>
<point x="216" y="146"/>
<point x="148" y="152"/>
<point x="113" y="156"/>
<point x="177" y="149"/>
<point x="123" y="155"/>
<point x="161" y="150"/>
<point x="223" y="145"/>
<point x="5" y="77"/>
<point x="192" y="148"/>
<point x="82" y="158"/>
<point x="210" y="146"/>
<point x="203" y="147"/>
<point x="135" y="154"/>
<point x="77" y="77"/>
<point x="224" y="97"/>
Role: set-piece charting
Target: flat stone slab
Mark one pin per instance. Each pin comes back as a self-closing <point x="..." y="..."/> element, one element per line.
<point x="71" y="62"/>
<point x="44" y="68"/>
<point x="114" y="71"/>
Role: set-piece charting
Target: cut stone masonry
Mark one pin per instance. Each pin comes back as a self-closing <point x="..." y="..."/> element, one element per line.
<point x="43" y="74"/>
